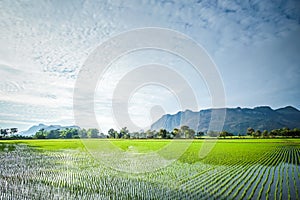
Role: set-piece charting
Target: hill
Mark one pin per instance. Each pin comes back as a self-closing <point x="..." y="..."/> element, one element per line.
<point x="237" y="119"/>
<point x="32" y="130"/>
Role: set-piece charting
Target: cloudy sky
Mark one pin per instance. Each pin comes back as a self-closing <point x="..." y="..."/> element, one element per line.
<point x="43" y="44"/>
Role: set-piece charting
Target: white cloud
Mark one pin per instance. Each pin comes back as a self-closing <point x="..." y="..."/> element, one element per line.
<point x="44" y="44"/>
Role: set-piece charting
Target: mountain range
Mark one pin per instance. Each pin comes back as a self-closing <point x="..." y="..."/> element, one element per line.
<point x="32" y="130"/>
<point x="237" y="120"/>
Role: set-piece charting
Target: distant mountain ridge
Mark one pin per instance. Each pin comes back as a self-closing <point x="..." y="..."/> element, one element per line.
<point x="237" y="119"/>
<point x="32" y="130"/>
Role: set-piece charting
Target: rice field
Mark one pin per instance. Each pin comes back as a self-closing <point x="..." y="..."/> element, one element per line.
<point x="234" y="169"/>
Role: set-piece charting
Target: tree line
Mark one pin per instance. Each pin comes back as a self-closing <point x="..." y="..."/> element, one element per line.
<point x="283" y="132"/>
<point x="68" y="133"/>
<point x="7" y="131"/>
<point x="188" y="133"/>
<point x="184" y="132"/>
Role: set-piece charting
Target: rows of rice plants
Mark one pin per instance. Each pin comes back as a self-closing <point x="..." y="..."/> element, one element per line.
<point x="249" y="169"/>
<point x="294" y="154"/>
<point x="210" y="183"/>
<point x="271" y="176"/>
<point x="247" y="181"/>
<point x="213" y="185"/>
<point x="27" y="173"/>
<point x="260" y="183"/>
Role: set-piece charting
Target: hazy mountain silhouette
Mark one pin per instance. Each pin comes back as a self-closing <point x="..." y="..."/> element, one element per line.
<point x="237" y="119"/>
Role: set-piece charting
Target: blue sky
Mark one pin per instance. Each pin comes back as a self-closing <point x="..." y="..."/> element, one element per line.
<point x="255" y="45"/>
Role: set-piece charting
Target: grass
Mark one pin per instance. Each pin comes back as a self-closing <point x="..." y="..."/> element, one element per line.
<point x="225" y="152"/>
<point x="235" y="168"/>
<point x="49" y="145"/>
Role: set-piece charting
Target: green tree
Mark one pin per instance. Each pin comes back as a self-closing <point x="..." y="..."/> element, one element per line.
<point x="135" y="135"/>
<point x="162" y="133"/>
<point x="13" y="130"/>
<point x="69" y="133"/>
<point x="295" y="132"/>
<point x="265" y="133"/>
<point x="250" y="131"/>
<point x="74" y="133"/>
<point x="83" y="133"/>
<point x="4" y="132"/>
<point x="102" y="135"/>
<point x="176" y="132"/>
<point x="53" y="134"/>
<point x="273" y="133"/>
<point x="185" y="131"/>
<point x="284" y="131"/>
<point x="199" y="134"/>
<point x="41" y="134"/>
<point x="63" y="133"/>
<point x="93" y="133"/>
<point x="112" y="133"/>
<point x="149" y="134"/>
<point x="257" y="133"/>
<point x="124" y="133"/>
<point x="66" y="133"/>
<point x="141" y="134"/>
<point x="223" y="134"/>
<point x="190" y="133"/>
